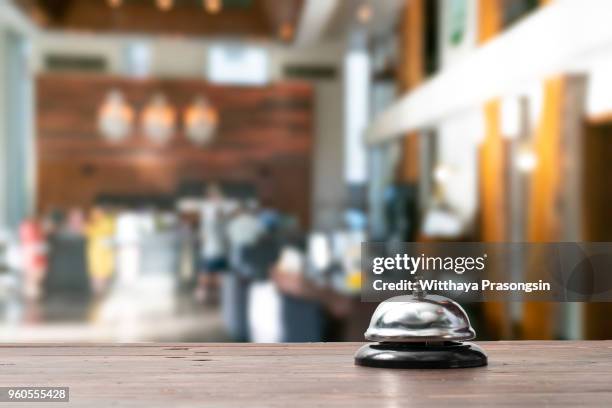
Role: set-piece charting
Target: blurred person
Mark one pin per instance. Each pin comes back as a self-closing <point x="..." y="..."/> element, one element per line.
<point x="441" y="220"/>
<point x="127" y="236"/>
<point x="284" y="305"/>
<point x="244" y="229"/>
<point x="295" y="284"/>
<point x="34" y="256"/>
<point x="75" y="223"/>
<point x="52" y="221"/>
<point x="188" y="248"/>
<point x="100" y="230"/>
<point x="214" y="210"/>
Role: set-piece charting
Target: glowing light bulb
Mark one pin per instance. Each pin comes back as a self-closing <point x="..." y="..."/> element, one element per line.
<point x="115" y="3"/>
<point x="286" y="31"/>
<point x="165" y="5"/>
<point x="526" y="159"/>
<point x="213" y="6"/>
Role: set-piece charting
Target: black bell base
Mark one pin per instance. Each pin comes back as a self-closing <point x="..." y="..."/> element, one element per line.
<point x="421" y="355"/>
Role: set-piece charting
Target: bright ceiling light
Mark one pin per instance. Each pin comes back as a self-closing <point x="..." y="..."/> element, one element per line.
<point x="115" y="3"/>
<point x="364" y="13"/>
<point x="286" y="31"/>
<point x="165" y="5"/>
<point x="213" y="6"/>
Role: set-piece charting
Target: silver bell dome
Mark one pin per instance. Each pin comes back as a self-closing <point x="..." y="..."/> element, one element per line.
<point x="413" y="318"/>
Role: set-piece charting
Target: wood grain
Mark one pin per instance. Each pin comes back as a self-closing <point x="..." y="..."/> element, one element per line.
<point x="411" y="71"/>
<point x="308" y="375"/>
<point x="493" y="191"/>
<point x="596" y="212"/>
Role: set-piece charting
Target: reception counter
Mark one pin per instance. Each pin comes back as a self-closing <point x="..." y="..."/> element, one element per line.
<point x="561" y="373"/>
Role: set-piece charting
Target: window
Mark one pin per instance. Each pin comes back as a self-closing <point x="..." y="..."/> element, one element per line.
<point x="234" y="64"/>
<point x="514" y="10"/>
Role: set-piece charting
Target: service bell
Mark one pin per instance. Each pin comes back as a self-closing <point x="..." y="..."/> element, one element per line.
<point x="420" y="331"/>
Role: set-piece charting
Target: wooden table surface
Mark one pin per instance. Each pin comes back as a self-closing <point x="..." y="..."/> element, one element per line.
<point x="564" y="373"/>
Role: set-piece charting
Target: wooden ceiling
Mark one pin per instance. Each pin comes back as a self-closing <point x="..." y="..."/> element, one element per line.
<point x="238" y="18"/>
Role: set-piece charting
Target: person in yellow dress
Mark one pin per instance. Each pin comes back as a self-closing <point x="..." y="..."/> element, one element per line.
<point x="100" y="230"/>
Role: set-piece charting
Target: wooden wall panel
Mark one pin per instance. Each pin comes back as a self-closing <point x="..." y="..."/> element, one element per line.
<point x="544" y="223"/>
<point x="494" y="201"/>
<point x="493" y="194"/>
<point x="490" y="19"/>
<point x="597" y="221"/>
<point x="544" y="216"/>
<point x="493" y="185"/>
<point x="538" y="318"/>
<point x="412" y="39"/>
<point x="411" y="73"/>
<point x="264" y="138"/>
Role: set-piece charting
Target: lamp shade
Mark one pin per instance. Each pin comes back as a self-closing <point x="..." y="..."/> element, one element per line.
<point x="201" y="121"/>
<point x="158" y="120"/>
<point x="115" y="117"/>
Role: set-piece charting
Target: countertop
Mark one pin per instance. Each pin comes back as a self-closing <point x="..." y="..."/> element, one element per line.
<point x="534" y="373"/>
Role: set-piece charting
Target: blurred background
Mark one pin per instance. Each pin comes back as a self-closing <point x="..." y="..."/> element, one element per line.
<point x="206" y="170"/>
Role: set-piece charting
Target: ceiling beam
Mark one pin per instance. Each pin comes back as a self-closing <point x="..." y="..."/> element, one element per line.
<point x="315" y="18"/>
<point x="283" y="17"/>
<point x="55" y="10"/>
<point x="258" y="19"/>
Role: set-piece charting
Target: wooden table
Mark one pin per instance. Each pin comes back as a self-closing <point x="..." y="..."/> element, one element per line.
<point x="521" y="374"/>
